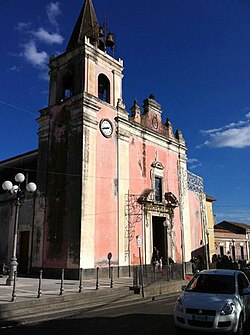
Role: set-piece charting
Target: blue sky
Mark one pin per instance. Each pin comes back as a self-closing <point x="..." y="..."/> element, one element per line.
<point x="193" y="55"/>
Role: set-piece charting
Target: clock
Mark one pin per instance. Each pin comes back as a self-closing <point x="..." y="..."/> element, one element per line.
<point x="106" y="127"/>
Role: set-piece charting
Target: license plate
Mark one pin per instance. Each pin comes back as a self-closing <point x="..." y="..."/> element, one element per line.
<point x="199" y="317"/>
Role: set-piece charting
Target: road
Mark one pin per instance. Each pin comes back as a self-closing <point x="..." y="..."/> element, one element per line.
<point x="153" y="317"/>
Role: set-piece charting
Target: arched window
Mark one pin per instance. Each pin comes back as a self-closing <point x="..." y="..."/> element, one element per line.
<point x="67" y="86"/>
<point x="103" y="88"/>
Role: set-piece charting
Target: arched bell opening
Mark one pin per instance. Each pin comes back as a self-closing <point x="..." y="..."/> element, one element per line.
<point x="67" y="86"/>
<point x="103" y="88"/>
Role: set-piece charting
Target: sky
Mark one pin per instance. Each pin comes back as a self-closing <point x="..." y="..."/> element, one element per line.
<point x="192" y="55"/>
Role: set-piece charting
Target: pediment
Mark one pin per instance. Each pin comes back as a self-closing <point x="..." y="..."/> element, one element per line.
<point x="157" y="165"/>
<point x="171" y="199"/>
<point x="146" y="196"/>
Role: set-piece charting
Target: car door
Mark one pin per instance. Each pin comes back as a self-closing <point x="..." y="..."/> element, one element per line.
<point x="244" y="286"/>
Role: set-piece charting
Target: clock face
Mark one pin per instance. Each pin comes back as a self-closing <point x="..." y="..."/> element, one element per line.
<point x="106" y="127"/>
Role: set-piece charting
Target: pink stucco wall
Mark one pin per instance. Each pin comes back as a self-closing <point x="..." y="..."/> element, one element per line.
<point x="196" y="238"/>
<point x="106" y="194"/>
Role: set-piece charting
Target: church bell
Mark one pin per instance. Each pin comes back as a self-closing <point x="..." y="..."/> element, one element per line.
<point x="110" y="40"/>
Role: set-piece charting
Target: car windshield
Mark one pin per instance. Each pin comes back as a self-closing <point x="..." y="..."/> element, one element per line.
<point x="212" y="283"/>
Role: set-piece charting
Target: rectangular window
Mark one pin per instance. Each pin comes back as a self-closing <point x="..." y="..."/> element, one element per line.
<point x="158" y="189"/>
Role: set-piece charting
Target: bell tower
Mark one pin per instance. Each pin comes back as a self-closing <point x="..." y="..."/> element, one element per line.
<point x="76" y="133"/>
<point x="86" y="66"/>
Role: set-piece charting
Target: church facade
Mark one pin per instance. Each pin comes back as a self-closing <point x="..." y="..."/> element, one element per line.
<point x="107" y="177"/>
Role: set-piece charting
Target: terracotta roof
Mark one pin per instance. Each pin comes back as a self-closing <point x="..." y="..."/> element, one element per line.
<point x="209" y="198"/>
<point x="233" y="226"/>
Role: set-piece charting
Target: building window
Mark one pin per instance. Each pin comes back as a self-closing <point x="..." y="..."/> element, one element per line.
<point x="103" y="88"/>
<point x="158" y="189"/>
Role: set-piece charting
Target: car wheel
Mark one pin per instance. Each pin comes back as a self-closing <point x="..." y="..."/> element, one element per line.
<point x="240" y="328"/>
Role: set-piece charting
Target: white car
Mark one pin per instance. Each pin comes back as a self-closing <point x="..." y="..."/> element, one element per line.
<point x="214" y="301"/>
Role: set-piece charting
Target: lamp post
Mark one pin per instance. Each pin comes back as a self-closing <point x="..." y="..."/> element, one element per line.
<point x="17" y="191"/>
<point x="139" y="244"/>
<point x="167" y="226"/>
<point x="207" y="249"/>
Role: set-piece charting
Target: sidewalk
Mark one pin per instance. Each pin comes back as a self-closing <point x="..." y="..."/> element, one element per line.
<point x="27" y="288"/>
<point x="51" y="304"/>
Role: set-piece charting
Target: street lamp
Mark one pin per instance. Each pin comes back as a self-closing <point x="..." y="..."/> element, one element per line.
<point x="139" y="244"/>
<point x="167" y="226"/>
<point x="207" y="249"/>
<point x="17" y="191"/>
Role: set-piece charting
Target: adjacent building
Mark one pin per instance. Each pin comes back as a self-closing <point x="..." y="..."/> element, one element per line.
<point x="232" y="239"/>
<point x="210" y="226"/>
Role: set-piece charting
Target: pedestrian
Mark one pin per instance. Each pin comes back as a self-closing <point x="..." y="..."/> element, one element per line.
<point x="155" y="257"/>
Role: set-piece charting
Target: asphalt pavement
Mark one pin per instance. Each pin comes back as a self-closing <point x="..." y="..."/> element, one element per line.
<point x="30" y="302"/>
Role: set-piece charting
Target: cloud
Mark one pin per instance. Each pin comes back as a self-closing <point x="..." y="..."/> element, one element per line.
<point x="29" y="52"/>
<point x="32" y="55"/>
<point x="193" y="163"/>
<point x="53" y="11"/>
<point x="233" y="135"/>
<point x="21" y="26"/>
<point x="232" y="138"/>
<point x="211" y="131"/>
<point x="15" y="68"/>
<point x="44" y="36"/>
<point x="192" y="160"/>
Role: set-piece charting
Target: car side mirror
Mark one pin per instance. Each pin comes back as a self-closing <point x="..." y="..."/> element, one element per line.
<point x="183" y="287"/>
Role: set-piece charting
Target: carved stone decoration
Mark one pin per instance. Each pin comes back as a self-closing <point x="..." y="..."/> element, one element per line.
<point x="179" y="136"/>
<point x="169" y="128"/>
<point x="155" y="123"/>
<point x="135" y="112"/>
<point x="147" y="199"/>
<point x="171" y="200"/>
<point x="121" y="104"/>
<point x="146" y="196"/>
<point x="182" y="178"/>
<point x="157" y="165"/>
